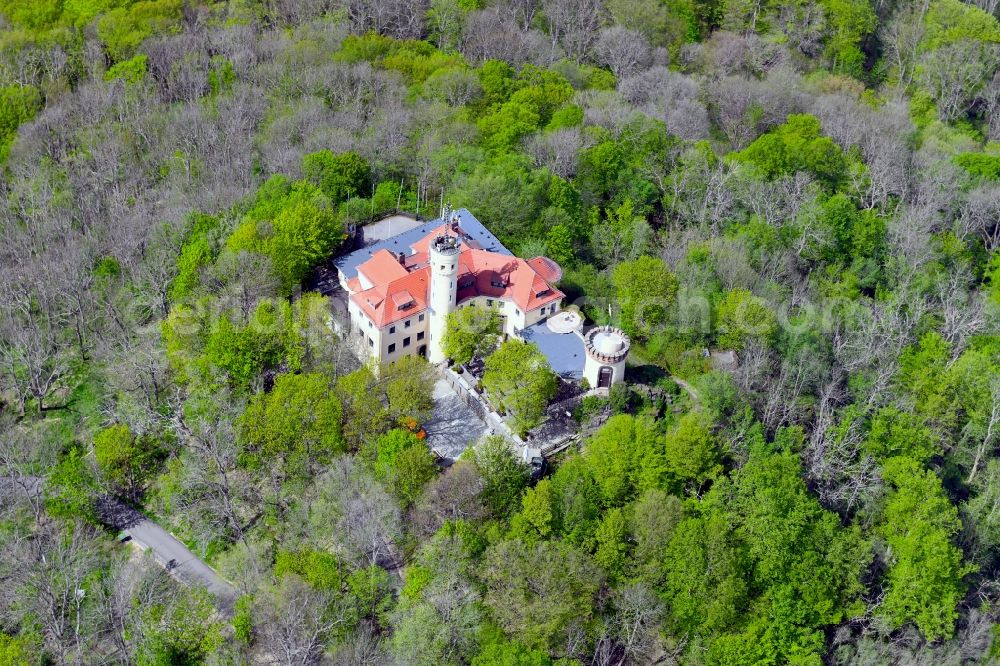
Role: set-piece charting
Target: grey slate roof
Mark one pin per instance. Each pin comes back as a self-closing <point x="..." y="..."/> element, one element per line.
<point x="564" y="351"/>
<point x="348" y="263"/>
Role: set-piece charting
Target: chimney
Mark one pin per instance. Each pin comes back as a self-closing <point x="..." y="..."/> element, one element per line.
<point x="401" y="258"/>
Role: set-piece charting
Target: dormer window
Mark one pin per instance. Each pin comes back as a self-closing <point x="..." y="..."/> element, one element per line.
<point x="403" y="300"/>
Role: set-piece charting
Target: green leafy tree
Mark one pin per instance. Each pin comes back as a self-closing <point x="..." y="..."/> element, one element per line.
<point x="925" y="568"/>
<point x="18" y="651"/>
<point x="617" y="454"/>
<point x="184" y="630"/>
<point x="950" y="21"/>
<point x="740" y="317"/>
<point x="506" y="476"/>
<point x="508" y="194"/>
<point x="402" y="461"/>
<point x="537" y="592"/>
<point x="577" y="502"/>
<point x="519" y="381"/>
<point x="294" y="225"/>
<point x="796" y="146"/>
<point x="130" y="71"/>
<point x="18" y="104"/>
<point x="470" y="332"/>
<point x="806" y="566"/>
<point x="243" y="352"/>
<point x="123" y="29"/>
<point x="71" y="489"/>
<point x="850" y="21"/>
<point x="612" y="538"/>
<point x="536" y="519"/>
<point x="623" y="235"/>
<point x="499" y="651"/>
<point x="691" y="451"/>
<point x="321" y="569"/>
<point x="297" y="422"/>
<point x="560" y="246"/>
<point x="339" y="175"/>
<point x="894" y="432"/>
<point x="503" y="129"/>
<point x="653" y="518"/>
<point x="645" y="289"/>
<point x="126" y="461"/>
<point x="705" y="575"/>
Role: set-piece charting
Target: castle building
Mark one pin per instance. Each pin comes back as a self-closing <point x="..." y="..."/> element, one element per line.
<point x="401" y="289"/>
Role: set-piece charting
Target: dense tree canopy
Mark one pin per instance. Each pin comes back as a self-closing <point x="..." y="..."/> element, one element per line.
<point x="790" y="206"/>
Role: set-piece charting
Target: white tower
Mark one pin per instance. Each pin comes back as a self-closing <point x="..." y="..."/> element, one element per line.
<point x="443" y="258"/>
<point x="606" y="348"/>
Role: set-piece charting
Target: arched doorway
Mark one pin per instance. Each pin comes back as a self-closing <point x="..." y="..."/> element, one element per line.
<point x="604" y="376"/>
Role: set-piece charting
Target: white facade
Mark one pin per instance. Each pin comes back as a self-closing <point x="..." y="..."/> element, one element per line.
<point x="606" y="350"/>
<point x="390" y="343"/>
<point x="513" y="318"/>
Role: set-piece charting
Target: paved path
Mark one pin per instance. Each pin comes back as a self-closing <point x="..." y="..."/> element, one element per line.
<point x="181" y="562"/>
<point x="173" y="555"/>
<point x="453" y="425"/>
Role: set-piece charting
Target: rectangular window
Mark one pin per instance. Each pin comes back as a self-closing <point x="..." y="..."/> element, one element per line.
<point x="369" y="323"/>
<point x="517" y="311"/>
<point x="406" y="342"/>
<point x="406" y="324"/>
<point x="543" y="310"/>
<point x="420" y="335"/>
<point x="421" y="317"/>
<point x="489" y="302"/>
<point x="392" y="329"/>
<point x="371" y="343"/>
<point x="392" y="347"/>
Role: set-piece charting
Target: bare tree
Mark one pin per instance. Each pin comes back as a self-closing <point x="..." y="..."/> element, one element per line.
<point x="979" y="215"/>
<point x="54" y="571"/>
<point x="455" y="495"/>
<point x="955" y="74"/>
<point x="670" y="97"/>
<point x="991" y="99"/>
<point x="33" y="343"/>
<point x="402" y="19"/>
<point x="574" y="24"/>
<point x="624" y="51"/>
<point x="295" y="621"/>
<point x="558" y="150"/>
<point x="488" y="35"/>
<point x="217" y="498"/>
<point x="985" y="432"/>
<point x="902" y="35"/>
<point x="961" y="308"/>
<point x="365" y="520"/>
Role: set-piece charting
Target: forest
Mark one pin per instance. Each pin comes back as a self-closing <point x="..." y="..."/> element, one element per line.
<point x="813" y="185"/>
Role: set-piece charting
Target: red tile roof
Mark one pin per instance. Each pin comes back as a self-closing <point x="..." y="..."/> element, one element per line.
<point x="547" y="269"/>
<point x="481" y="273"/>
<point x="387" y="303"/>
<point x="383" y="267"/>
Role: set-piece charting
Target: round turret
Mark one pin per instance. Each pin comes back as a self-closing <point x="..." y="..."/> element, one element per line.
<point x="607" y="349"/>
<point x="443" y="252"/>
